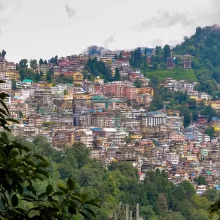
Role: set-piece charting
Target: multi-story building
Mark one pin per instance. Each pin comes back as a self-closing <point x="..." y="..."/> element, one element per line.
<point x="3" y="68"/>
<point x="177" y="136"/>
<point x="101" y="119"/>
<point x="7" y="86"/>
<point x="172" y="158"/>
<point x="152" y="119"/>
<point x="11" y="66"/>
<point x="215" y="104"/>
<point x="187" y="63"/>
<point x="78" y="79"/>
<point x="170" y="62"/>
<point x="44" y="68"/>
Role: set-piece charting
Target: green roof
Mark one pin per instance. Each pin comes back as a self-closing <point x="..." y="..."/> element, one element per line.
<point x="27" y="81"/>
<point x="98" y="97"/>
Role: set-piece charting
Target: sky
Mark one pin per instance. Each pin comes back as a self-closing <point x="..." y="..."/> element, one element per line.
<point x="34" y="29"/>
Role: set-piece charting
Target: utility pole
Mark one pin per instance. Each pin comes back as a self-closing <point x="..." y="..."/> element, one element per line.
<point x="130" y="215"/>
<point x="127" y="212"/>
<point x="137" y="212"/>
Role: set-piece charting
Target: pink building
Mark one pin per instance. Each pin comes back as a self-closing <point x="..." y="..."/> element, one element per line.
<point x="120" y="90"/>
<point x="177" y="136"/>
<point x="130" y="92"/>
<point x="115" y="89"/>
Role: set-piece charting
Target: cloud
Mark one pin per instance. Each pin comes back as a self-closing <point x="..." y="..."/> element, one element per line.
<point x="108" y="41"/>
<point x="2" y="6"/>
<point x="165" y="19"/>
<point x="71" y="12"/>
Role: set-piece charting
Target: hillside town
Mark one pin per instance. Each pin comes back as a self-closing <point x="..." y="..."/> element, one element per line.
<point x="112" y="118"/>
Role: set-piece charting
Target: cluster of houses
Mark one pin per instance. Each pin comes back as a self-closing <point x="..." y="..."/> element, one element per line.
<point x="112" y="119"/>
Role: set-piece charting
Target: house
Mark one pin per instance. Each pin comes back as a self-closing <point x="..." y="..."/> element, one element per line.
<point x="173" y="158"/>
<point x="78" y="79"/>
<point x="100" y="119"/>
<point x="170" y="62"/>
<point x="6" y="86"/>
<point x="187" y="63"/>
<point x="215" y="104"/>
<point x="44" y="68"/>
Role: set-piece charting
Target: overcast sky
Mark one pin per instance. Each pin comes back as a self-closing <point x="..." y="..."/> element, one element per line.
<point x="36" y="29"/>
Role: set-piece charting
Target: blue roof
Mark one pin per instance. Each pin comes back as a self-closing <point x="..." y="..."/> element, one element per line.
<point x="96" y="129"/>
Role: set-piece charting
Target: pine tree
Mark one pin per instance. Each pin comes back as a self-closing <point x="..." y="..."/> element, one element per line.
<point x="117" y="76"/>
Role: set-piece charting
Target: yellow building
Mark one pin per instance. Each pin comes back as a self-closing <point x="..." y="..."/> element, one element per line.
<point x="215" y="104"/>
<point x="78" y="79"/>
<point x="45" y="84"/>
<point x="216" y="127"/>
<point x="136" y="136"/>
<point x="81" y="96"/>
<point x="145" y="90"/>
<point x="194" y="97"/>
<point x="12" y="74"/>
<point x="98" y="80"/>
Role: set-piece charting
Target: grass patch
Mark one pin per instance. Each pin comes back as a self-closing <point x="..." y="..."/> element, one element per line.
<point x="175" y="73"/>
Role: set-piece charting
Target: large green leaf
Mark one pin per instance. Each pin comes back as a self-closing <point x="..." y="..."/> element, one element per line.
<point x="71" y="184"/>
<point x="14" y="200"/>
<point x="49" y="189"/>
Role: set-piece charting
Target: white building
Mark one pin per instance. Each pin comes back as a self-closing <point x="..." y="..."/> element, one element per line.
<point x="173" y="158"/>
<point x="154" y="119"/>
<point x="7" y="86"/>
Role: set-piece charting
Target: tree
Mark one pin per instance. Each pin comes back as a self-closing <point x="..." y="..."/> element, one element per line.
<point x="20" y="170"/>
<point x="138" y="83"/>
<point x="120" y="56"/>
<point x="64" y="79"/>
<point x="49" y="76"/>
<point x="162" y="201"/>
<point x="3" y="53"/>
<point x="14" y="87"/>
<point x="41" y="62"/>
<point x="201" y="180"/>
<point x="33" y="64"/>
<point x="37" y="77"/>
<point x="21" y="115"/>
<point x="23" y="63"/>
<point x="27" y="73"/>
<point x="117" y="76"/>
<point x="45" y="62"/>
<point x="157" y="102"/>
<point x="166" y="51"/>
<point x="65" y="92"/>
<point x="210" y="131"/>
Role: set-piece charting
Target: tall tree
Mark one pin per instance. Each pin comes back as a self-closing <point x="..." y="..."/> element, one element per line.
<point x="166" y="51"/>
<point x="41" y="62"/>
<point x="23" y="63"/>
<point x="33" y="64"/>
<point x="117" y="76"/>
<point x="3" y="53"/>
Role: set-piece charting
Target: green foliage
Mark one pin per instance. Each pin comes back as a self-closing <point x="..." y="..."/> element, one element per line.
<point x="177" y="73"/>
<point x="166" y="51"/>
<point x="210" y="131"/>
<point x="23" y="63"/>
<point x="157" y="102"/>
<point x="26" y="73"/>
<point x="20" y="171"/>
<point x="138" y="83"/>
<point x="14" y="87"/>
<point x="98" y="68"/>
<point x="117" y="76"/>
<point x="64" y="79"/>
<point x="33" y="64"/>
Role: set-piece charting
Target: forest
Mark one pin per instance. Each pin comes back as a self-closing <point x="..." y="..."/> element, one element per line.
<point x="118" y="182"/>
